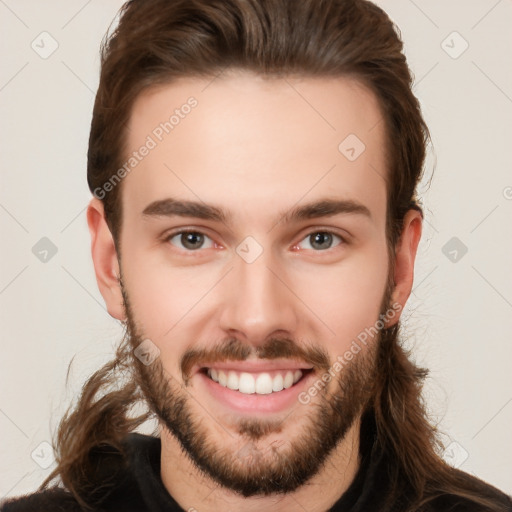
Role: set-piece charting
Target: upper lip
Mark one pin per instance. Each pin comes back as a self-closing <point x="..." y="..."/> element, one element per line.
<point x="255" y="366"/>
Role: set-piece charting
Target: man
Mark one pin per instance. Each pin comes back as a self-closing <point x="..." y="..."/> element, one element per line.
<point x="254" y="165"/>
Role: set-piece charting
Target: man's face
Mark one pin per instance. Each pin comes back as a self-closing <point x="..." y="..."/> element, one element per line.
<point x="260" y="300"/>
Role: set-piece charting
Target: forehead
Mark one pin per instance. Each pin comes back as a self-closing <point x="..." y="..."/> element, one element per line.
<point x="253" y="145"/>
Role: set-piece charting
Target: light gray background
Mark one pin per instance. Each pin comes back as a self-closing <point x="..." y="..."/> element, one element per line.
<point x="459" y="316"/>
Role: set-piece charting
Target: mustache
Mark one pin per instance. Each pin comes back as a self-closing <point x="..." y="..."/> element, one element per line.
<point x="235" y="350"/>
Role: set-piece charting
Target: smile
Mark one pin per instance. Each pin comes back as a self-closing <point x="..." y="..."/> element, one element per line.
<point x="252" y="386"/>
<point x="263" y="383"/>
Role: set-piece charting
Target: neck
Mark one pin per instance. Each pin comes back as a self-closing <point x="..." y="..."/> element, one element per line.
<point x="193" y="491"/>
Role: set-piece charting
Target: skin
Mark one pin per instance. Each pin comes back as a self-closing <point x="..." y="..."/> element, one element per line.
<point x="256" y="148"/>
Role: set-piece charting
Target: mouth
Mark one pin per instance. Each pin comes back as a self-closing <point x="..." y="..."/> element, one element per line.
<point x="254" y="387"/>
<point x="261" y="383"/>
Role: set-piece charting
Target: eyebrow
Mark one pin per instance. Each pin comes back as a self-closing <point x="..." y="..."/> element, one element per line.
<point x="171" y="207"/>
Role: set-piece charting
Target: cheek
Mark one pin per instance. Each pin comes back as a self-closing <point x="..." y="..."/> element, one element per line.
<point x="346" y="299"/>
<point x="162" y="304"/>
<point x="162" y="298"/>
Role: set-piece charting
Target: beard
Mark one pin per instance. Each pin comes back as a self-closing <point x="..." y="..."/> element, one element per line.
<point x="254" y="463"/>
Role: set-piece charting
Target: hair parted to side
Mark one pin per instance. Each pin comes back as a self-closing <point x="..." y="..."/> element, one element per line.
<point x="157" y="41"/>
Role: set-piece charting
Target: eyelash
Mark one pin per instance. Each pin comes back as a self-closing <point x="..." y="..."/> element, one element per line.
<point x="343" y="240"/>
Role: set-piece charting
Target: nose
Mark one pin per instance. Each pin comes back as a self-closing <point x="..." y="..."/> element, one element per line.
<point x="258" y="303"/>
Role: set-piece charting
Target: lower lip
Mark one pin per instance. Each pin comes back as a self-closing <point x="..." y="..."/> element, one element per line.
<point x="254" y="403"/>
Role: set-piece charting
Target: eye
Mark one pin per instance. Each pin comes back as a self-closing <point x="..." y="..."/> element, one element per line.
<point x="321" y="240"/>
<point x="190" y="240"/>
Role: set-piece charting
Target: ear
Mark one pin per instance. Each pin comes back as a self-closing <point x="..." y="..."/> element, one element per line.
<point x="104" y="256"/>
<point x="405" y="256"/>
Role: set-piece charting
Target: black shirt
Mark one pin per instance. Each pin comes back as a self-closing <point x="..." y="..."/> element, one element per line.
<point x="139" y="488"/>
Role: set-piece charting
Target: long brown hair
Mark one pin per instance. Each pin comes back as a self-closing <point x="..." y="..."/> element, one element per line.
<point x="157" y="41"/>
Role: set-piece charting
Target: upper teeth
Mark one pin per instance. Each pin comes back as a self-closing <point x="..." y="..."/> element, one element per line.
<point x="261" y="383"/>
